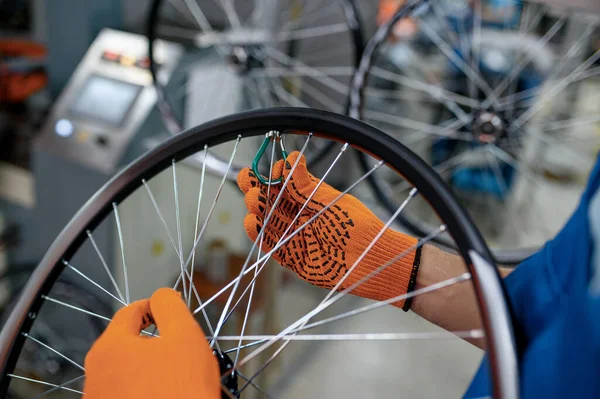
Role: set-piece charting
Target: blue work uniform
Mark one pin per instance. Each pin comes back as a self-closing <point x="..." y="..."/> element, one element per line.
<point x="555" y="295"/>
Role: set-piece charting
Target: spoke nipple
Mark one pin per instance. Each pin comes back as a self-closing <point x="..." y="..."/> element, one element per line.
<point x="88" y="232"/>
<point x="239" y="137"/>
<point x="413" y="192"/>
<point x="345" y="147"/>
<point x="443" y="228"/>
<point x="24" y="334"/>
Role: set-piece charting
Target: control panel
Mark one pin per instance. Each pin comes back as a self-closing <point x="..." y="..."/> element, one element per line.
<point x="107" y="100"/>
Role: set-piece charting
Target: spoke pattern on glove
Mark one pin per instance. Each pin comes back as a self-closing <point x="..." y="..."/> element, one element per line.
<point x="292" y="235"/>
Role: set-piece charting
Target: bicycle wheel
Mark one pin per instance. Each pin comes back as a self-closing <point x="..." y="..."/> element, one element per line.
<point x="501" y="99"/>
<point x="256" y="54"/>
<point x="123" y="199"/>
<point x="44" y="366"/>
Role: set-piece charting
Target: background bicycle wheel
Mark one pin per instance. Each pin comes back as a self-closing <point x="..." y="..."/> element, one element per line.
<point x="501" y="98"/>
<point x="256" y="54"/>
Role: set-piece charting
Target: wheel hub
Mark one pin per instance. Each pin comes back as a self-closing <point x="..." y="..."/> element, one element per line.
<point x="231" y="380"/>
<point x="244" y="58"/>
<point x="488" y="127"/>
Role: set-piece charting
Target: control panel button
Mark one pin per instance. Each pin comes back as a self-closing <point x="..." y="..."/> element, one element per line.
<point x="64" y="128"/>
<point x="143" y="63"/>
<point x="102" y="140"/>
<point x="111" y="56"/>
<point x="127" y="60"/>
<point x="82" y="136"/>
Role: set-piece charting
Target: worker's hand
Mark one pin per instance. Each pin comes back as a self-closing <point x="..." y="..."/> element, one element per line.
<point x="324" y="251"/>
<point x="178" y="364"/>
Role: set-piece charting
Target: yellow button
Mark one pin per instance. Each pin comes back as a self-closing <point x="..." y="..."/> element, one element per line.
<point x="82" y="136"/>
<point x="127" y="60"/>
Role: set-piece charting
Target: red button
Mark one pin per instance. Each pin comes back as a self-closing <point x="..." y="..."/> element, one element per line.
<point x="143" y="63"/>
<point x="110" y="56"/>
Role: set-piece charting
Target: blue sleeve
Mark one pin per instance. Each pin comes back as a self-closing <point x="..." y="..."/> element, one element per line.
<point x="555" y="313"/>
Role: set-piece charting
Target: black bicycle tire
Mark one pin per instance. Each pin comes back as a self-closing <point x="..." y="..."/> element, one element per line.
<point x="338" y="127"/>
<point x="168" y="112"/>
<point x="505" y="257"/>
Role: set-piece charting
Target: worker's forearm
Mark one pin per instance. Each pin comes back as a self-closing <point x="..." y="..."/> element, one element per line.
<point x="453" y="308"/>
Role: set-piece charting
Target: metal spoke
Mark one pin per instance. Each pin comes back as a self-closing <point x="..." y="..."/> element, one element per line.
<point x="200" y="192"/>
<point x="465" y="334"/>
<point x="273" y="72"/>
<point x="253" y="384"/>
<point x="161" y="217"/>
<point x="214" y="203"/>
<point x="254" y="244"/>
<point x="61" y="386"/>
<point x="253" y="283"/>
<point x="106" y="268"/>
<point x="67" y="264"/>
<point x="316" y="31"/>
<point x="499" y="177"/>
<point x="47" y="298"/>
<point x="18" y="377"/>
<point x="232" y="17"/>
<point x="331" y="300"/>
<point x="458" y="62"/>
<point x="284" y="95"/>
<point x="447" y="98"/>
<point x="528" y="94"/>
<point x="120" y="232"/>
<point x="293" y="234"/>
<point x="580" y="157"/>
<point x="521" y="120"/>
<point x="524" y="61"/>
<point x="327" y="80"/>
<point x="198" y="15"/>
<point x="411" y="124"/>
<point x="380" y="234"/>
<point x="559" y="125"/>
<point x="321" y="97"/>
<point x="316" y="6"/>
<point x="179" y="238"/>
<point x="292" y="223"/>
<point x="74" y="363"/>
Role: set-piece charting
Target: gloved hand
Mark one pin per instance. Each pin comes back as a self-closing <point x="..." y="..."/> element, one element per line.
<point x="178" y="364"/>
<point x="326" y="249"/>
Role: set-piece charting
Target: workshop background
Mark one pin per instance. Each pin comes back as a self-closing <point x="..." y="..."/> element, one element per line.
<point x="79" y="102"/>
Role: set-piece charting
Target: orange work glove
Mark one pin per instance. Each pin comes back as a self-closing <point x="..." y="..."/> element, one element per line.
<point x="178" y="364"/>
<point x="324" y="251"/>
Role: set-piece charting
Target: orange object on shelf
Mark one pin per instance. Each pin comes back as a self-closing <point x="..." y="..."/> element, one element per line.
<point x="405" y="28"/>
<point x="17" y="84"/>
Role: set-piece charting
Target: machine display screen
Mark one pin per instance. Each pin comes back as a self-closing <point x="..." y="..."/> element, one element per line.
<point x="104" y="99"/>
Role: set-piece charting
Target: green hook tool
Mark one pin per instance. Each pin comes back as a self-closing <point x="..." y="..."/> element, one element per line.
<point x="275" y="136"/>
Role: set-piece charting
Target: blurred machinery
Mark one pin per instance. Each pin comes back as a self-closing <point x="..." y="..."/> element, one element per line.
<point x="96" y="125"/>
